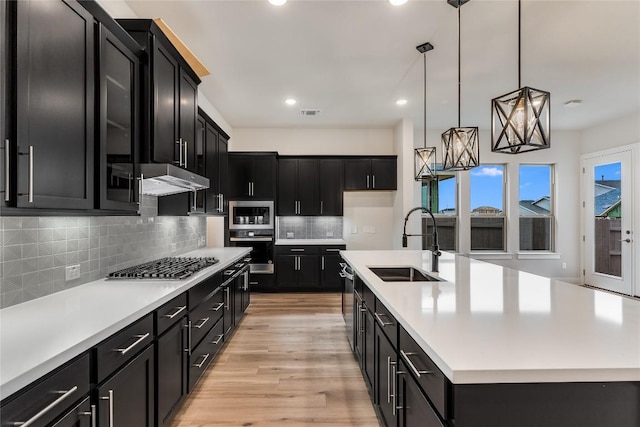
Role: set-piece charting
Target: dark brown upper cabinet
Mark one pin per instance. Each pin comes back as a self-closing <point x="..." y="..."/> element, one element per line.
<point x="119" y="71"/>
<point x="51" y="105"/>
<point x="371" y="173"/>
<point x="170" y="95"/>
<point x="252" y="176"/>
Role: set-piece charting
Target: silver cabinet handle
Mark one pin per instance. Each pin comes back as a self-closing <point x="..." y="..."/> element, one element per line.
<point x="188" y="349"/>
<point x="7" y="163"/>
<point x="221" y="202"/>
<point x="130" y="190"/>
<point x="31" y="174"/>
<point x="388" y="379"/>
<point x="322" y="262"/>
<point x="201" y="324"/>
<point x="226" y="291"/>
<point x="335" y="250"/>
<point x="91" y="415"/>
<point x="374" y="182"/>
<point x="297" y="249"/>
<point x="174" y="314"/>
<point x="186" y="156"/>
<point x="229" y="272"/>
<point x="321" y="206"/>
<point x="140" y="188"/>
<point x="179" y="142"/>
<point x="342" y="264"/>
<point x="382" y="322"/>
<point x="415" y="370"/>
<point x="199" y="365"/>
<point x="218" y="307"/>
<point x="393" y="388"/>
<point x="141" y="338"/>
<point x="367" y="181"/>
<point x="49" y="407"/>
<point x="217" y="341"/>
<point x="110" y="399"/>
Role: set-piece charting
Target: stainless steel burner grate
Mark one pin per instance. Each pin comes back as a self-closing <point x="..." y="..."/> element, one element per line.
<point x="170" y="268"/>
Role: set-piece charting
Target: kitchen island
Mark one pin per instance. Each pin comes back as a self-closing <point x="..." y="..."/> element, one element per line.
<point x="507" y="339"/>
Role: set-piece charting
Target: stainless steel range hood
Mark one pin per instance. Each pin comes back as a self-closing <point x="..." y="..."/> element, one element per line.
<point x="163" y="179"/>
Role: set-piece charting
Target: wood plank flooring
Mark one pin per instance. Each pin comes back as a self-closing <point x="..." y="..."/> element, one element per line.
<point x="288" y="364"/>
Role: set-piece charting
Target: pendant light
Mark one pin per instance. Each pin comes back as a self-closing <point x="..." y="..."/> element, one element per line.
<point x="520" y="119"/>
<point x="460" y="147"/>
<point x="425" y="157"/>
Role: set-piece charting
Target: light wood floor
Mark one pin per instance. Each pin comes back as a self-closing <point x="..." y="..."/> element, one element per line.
<point x="288" y="363"/>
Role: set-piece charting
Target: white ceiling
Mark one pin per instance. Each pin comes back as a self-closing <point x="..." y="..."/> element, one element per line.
<point x="353" y="59"/>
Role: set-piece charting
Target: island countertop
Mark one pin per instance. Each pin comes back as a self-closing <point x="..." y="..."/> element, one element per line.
<point x="39" y="335"/>
<point x="490" y="324"/>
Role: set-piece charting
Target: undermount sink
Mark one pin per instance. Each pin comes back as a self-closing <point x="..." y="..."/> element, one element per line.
<point x="402" y="274"/>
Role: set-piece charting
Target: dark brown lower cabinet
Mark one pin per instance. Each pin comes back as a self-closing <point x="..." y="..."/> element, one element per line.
<point x="413" y="407"/>
<point x="229" y="304"/>
<point x="127" y="398"/>
<point x="80" y="416"/>
<point x="386" y="366"/>
<point x="171" y="364"/>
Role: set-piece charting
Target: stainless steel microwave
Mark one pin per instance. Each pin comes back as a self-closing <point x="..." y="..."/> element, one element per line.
<point x="251" y="214"/>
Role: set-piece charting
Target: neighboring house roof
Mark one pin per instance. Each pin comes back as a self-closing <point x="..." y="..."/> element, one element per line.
<point x="604" y="202"/>
<point x="613" y="183"/>
<point x="487" y="210"/>
<point x="532" y="207"/>
<point x="607" y="212"/>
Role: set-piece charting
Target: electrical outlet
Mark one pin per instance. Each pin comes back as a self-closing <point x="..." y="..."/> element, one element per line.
<point x="564" y="265"/>
<point x="174" y="246"/>
<point x="289" y="234"/>
<point x="369" y="229"/>
<point x="72" y="272"/>
<point x="354" y="229"/>
<point x="329" y="233"/>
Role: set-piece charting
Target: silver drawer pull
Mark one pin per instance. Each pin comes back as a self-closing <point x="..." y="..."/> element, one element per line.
<point x="218" y="307"/>
<point x="91" y="414"/>
<point x="217" y="341"/>
<point x="382" y="322"/>
<point x="49" y="407"/>
<point x="203" y="321"/>
<point x="229" y="272"/>
<point x="334" y="250"/>
<point x="179" y="310"/>
<point x="7" y="164"/>
<point x="141" y="338"/>
<point x="199" y="365"/>
<point x="297" y="250"/>
<point x="415" y="370"/>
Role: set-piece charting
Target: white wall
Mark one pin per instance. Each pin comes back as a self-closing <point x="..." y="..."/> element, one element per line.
<point x="408" y="194"/>
<point x="621" y="131"/>
<point x="368" y="215"/>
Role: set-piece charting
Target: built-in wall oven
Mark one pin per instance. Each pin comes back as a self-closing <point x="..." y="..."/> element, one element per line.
<point x="251" y="225"/>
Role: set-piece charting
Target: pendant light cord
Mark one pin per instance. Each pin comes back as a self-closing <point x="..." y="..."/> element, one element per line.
<point x="519" y="43"/>
<point x="459" y="59"/>
<point x="424" y="103"/>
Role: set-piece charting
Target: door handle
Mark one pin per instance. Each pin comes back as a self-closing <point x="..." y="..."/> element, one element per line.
<point x="188" y="349"/>
<point x="179" y="142"/>
<point x="627" y="240"/>
<point x="36" y="417"/>
<point x="374" y="182"/>
<point x="7" y="163"/>
<point x="415" y="370"/>
<point x="322" y="262"/>
<point x="321" y="206"/>
<point x="367" y="181"/>
<point x="186" y="156"/>
<point x="110" y="399"/>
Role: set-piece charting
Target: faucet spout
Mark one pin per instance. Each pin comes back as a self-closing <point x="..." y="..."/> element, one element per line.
<point x="435" y="248"/>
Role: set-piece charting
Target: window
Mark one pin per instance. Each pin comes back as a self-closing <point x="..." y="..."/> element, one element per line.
<point x="439" y="195"/>
<point x="536" y="208"/>
<point x="487" y="208"/>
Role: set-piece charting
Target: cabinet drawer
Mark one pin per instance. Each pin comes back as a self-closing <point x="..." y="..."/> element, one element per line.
<point x="368" y="297"/>
<point x="122" y="346"/>
<point x="202" y="356"/>
<point x="80" y="416"/>
<point x="204" y="289"/>
<point x="205" y="316"/>
<point x="332" y="250"/>
<point x="298" y="250"/>
<point x="65" y="386"/>
<point x="170" y="313"/>
<point x="424" y="370"/>
<point x="387" y="323"/>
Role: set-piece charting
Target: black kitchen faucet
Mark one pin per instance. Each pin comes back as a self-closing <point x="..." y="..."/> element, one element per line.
<point x="435" y="248"/>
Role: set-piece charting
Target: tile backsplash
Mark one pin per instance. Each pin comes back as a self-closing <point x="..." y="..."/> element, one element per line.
<point x="309" y="227"/>
<point x="36" y="250"/>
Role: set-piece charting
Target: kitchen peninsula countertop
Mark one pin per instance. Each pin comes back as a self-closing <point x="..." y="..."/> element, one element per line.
<point x="39" y="335"/>
<point x="490" y="324"/>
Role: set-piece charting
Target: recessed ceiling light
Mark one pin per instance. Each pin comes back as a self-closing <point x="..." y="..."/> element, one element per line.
<point x="277" y="2"/>
<point x="401" y="102"/>
<point x="290" y="101"/>
<point x="573" y="103"/>
<point x="397" y="2"/>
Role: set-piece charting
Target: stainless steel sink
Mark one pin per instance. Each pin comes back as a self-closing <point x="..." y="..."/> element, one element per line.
<point x="402" y="274"/>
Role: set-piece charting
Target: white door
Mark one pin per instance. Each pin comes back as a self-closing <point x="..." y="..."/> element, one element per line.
<point x="608" y="191"/>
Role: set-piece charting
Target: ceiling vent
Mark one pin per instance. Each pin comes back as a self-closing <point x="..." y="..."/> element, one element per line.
<point x="310" y="112"/>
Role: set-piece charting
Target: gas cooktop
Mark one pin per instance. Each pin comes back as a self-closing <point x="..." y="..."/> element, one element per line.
<point x="169" y="268"/>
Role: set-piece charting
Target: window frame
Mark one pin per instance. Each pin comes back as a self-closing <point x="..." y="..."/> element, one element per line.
<point x="427" y="202"/>
<point x="503" y="215"/>
<point x="552" y="209"/>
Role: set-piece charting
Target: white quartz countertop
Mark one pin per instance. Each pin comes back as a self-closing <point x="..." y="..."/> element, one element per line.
<point x="311" y="242"/>
<point x="39" y="335"/>
<point x="491" y="324"/>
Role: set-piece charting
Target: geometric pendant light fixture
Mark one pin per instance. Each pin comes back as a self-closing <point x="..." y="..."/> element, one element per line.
<point x="425" y="157"/>
<point x="520" y="119"/>
<point x="460" y="147"/>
